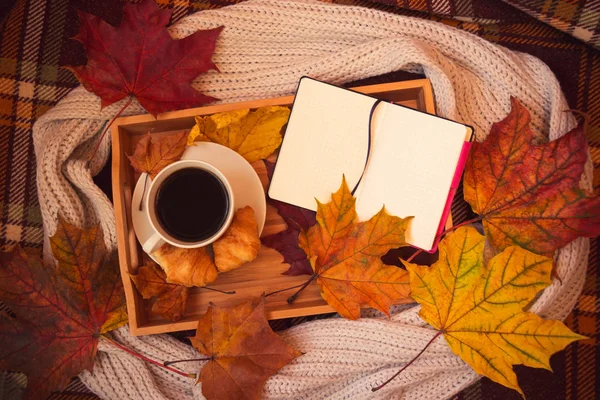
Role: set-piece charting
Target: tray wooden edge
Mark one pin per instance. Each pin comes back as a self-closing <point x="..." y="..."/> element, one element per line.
<point x="133" y="299"/>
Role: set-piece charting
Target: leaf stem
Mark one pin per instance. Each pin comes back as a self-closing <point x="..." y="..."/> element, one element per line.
<point x="284" y="290"/>
<point x="108" y="126"/>
<point x="416" y="253"/>
<point x="453" y="227"/>
<point x="146" y="359"/>
<point x="218" y="290"/>
<point x="167" y="363"/>
<point x="293" y="297"/>
<point x="408" y="363"/>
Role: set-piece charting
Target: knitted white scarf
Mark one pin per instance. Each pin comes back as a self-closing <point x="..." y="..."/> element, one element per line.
<point x="266" y="47"/>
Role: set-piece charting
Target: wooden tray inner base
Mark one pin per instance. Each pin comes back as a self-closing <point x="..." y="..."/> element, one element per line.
<point x="264" y="275"/>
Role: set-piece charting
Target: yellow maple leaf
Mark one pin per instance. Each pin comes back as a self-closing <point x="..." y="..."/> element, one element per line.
<point x="479" y="308"/>
<point x="254" y="135"/>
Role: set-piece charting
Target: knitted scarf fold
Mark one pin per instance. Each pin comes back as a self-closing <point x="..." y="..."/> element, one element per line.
<point x="266" y="46"/>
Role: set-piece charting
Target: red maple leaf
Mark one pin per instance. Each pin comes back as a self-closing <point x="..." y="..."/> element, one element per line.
<point x="140" y="58"/>
<point x="528" y="194"/>
<point x="286" y="242"/>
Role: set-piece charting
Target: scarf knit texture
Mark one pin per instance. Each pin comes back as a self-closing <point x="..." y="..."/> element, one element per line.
<point x="266" y="46"/>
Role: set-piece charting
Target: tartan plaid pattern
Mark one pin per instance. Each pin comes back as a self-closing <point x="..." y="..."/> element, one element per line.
<point x="33" y="43"/>
<point x="578" y="18"/>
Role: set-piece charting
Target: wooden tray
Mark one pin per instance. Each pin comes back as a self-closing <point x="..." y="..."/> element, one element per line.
<point x="263" y="274"/>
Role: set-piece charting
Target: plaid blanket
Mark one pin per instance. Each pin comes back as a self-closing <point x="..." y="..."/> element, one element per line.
<point x="563" y="33"/>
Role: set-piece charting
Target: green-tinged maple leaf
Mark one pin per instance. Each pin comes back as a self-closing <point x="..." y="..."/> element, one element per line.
<point x="528" y="194"/>
<point x="479" y="309"/>
<point x="61" y="311"/>
<point x="345" y="255"/>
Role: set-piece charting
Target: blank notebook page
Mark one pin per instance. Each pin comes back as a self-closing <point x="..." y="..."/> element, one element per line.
<point x="412" y="163"/>
<point x="326" y="138"/>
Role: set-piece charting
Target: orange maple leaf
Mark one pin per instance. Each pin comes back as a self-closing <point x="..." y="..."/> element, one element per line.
<point x="527" y="194"/>
<point x="346" y="256"/>
<point x="244" y="352"/>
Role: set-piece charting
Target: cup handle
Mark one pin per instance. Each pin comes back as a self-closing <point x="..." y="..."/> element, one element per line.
<point x="153" y="243"/>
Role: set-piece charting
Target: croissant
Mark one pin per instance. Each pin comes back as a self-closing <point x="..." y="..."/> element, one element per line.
<point x="188" y="267"/>
<point x="240" y="243"/>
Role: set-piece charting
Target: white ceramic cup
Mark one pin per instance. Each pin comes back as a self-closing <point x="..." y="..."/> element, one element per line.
<point x="160" y="236"/>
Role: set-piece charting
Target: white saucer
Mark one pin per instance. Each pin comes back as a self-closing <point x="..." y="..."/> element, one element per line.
<point x="247" y="188"/>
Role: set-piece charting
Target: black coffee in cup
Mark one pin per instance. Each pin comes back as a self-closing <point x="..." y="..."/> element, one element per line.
<point x="192" y="204"/>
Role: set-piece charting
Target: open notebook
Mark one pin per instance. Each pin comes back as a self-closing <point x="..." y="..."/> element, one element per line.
<point x="412" y="162"/>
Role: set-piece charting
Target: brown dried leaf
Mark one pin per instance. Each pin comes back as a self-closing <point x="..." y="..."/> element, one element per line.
<point x="151" y="156"/>
<point x="243" y="349"/>
<point x="171" y="298"/>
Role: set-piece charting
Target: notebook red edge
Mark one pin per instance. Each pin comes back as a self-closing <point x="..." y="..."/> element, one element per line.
<point x="460" y="167"/>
